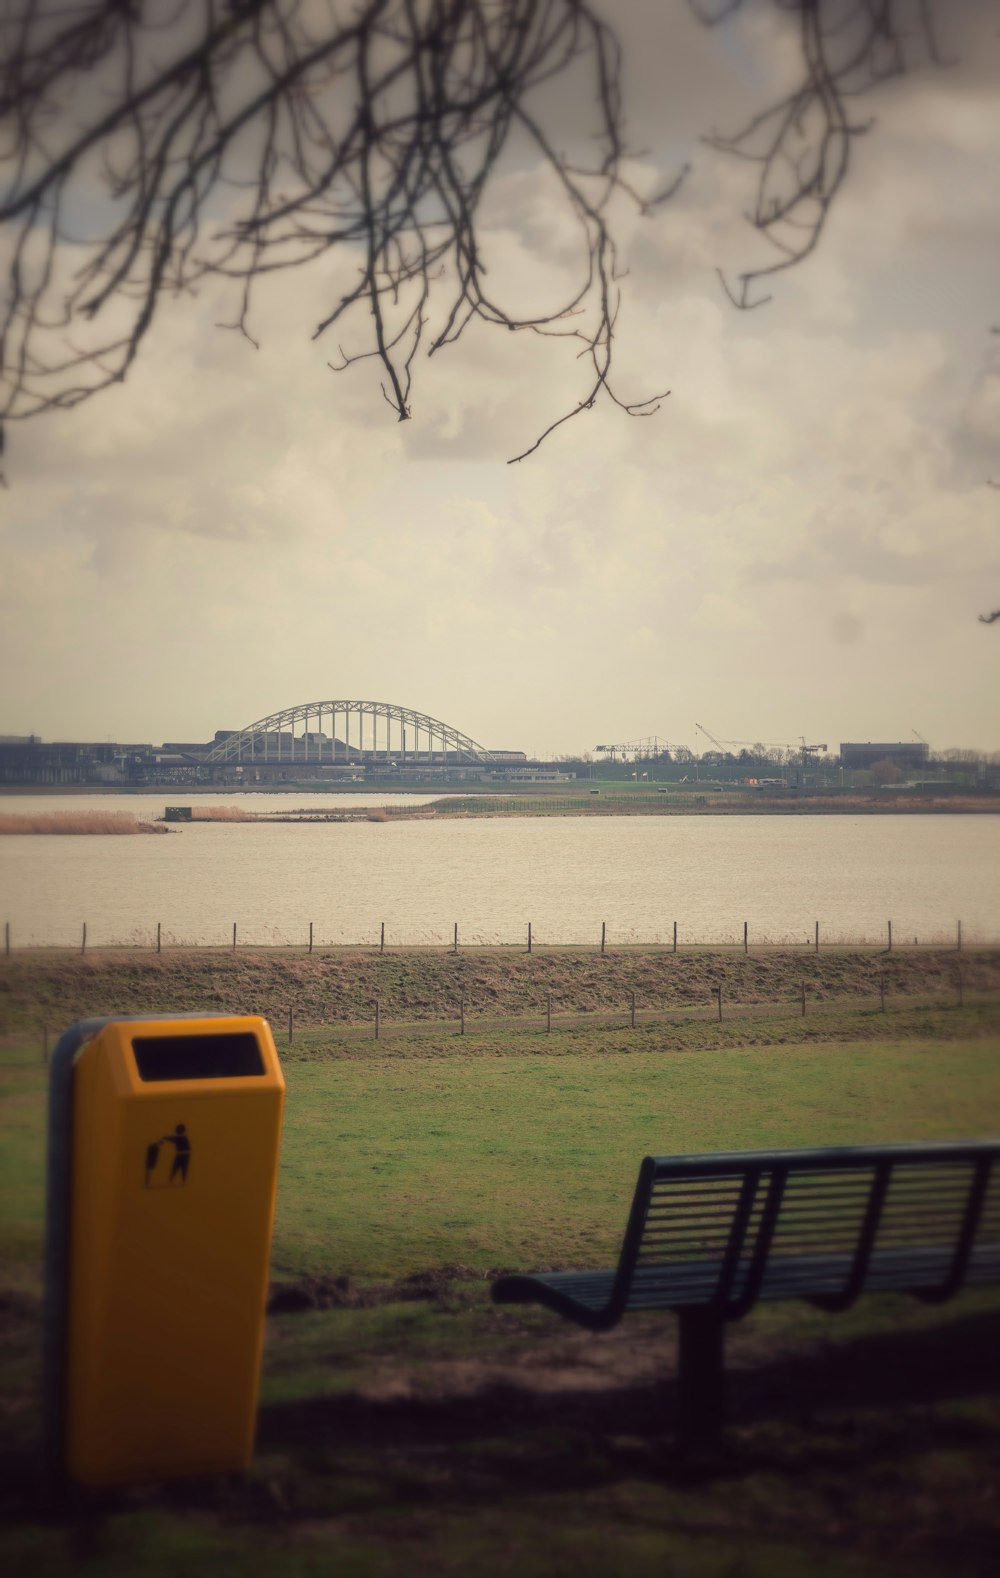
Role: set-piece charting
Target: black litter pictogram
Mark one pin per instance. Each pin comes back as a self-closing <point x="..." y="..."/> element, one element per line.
<point x="157" y="1176"/>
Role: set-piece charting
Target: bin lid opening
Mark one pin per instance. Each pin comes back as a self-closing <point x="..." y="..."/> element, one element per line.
<point x="164" y="1058"/>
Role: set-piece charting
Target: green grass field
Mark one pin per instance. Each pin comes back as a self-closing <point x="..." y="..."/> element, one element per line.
<point x="407" y="1425"/>
<point x="490" y="1160"/>
<point x="489" y="1151"/>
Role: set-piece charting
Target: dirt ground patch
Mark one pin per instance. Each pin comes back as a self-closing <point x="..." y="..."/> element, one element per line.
<point x="444" y="1285"/>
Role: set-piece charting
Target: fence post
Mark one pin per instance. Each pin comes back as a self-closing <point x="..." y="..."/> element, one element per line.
<point x="548" y="1013"/>
<point x="816" y="949"/>
<point x="455" y="944"/>
<point x="83" y="940"/>
<point x="6" y="938"/>
<point x="744" y="936"/>
<point x="675" y="936"/>
<point x="158" y="936"/>
<point x="378" y="1019"/>
<point x="881" y="990"/>
<point x="959" y="944"/>
<point x="310" y="945"/>
<point x="803" y="999"/>
<point x="889" y="923"/>
<point x="529" y="936"/>
<point x="633" y="1010"/>
<point x="234" y="936"/>
<point x="290" y="1024"/>
<point x="604" y="933"/>
<point x="381" y="938"/>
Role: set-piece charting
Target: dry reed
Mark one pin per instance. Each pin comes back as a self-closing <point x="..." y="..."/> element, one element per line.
<point x="77" y="822"/>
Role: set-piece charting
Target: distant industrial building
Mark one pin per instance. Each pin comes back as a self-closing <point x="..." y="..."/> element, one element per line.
<point x="26" y="760"/>
<point x="901" y="753"/>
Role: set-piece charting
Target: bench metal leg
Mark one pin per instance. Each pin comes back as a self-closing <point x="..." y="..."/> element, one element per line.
<point x="700" y="1376"/>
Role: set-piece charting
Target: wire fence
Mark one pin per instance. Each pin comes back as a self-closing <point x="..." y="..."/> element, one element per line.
<point x="721" y="1007"/>
<point x="744" y="937"/>
<point x="289" y="1022"/>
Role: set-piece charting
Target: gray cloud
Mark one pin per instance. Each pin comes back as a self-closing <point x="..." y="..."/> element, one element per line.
<point x="260" y="529"/>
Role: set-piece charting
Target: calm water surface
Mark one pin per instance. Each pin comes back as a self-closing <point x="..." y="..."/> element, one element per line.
<point x="565" y="875"/>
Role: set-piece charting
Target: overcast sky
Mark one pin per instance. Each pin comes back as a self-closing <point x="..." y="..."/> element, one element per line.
<point x="799" y="543"/>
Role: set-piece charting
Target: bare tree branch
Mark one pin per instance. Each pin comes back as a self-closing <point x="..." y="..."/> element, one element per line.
<point x="148" y="147"/>
<point x="802" y="142"/>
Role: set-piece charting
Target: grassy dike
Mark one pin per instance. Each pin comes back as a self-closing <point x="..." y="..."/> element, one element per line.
<point x="405" y="1423"/>
<point x="339" y="986"/>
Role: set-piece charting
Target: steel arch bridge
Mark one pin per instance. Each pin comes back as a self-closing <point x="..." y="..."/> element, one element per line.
<point x="371" y="731"/>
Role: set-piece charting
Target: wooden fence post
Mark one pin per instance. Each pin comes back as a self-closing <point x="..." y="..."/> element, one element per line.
<point x="744" y="936"/>
<point x="234" y="936"/>
<point x="310" y="945"/>
<point x="959" y="942"/>
<point x="83" y="940"/>
<point x="158" y="924"/>
<point x="817" y="938"/>
<point x="455" y="944"/>
<point x="889" y="923"/>
<point x="381" y="939"/>
<point x="675" y="936"/>
<point x="604" y="933"/>
<point x="529" y="936"/>
<point x="6" y="938"/>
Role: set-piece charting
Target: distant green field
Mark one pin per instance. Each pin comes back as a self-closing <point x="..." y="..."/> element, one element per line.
<point x="481" y="1152"/>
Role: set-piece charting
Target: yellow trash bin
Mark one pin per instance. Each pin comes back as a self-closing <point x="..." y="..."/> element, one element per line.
<point x="163" y="1160"/>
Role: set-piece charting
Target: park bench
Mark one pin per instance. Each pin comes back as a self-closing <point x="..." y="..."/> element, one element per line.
<point x="708" y="1236"/>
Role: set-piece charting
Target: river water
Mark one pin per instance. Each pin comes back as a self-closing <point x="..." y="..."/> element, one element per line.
<point x="566" y="876"/>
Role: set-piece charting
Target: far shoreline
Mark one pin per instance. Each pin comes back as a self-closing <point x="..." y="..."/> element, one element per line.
<point x="463" y="802"/>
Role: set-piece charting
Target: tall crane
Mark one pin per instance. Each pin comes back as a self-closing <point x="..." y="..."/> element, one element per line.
<point x="785" y="745"/>
<point x="717" y="743"/>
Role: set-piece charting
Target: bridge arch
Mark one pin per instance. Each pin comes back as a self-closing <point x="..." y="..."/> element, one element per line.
<point x="370" y="732"/>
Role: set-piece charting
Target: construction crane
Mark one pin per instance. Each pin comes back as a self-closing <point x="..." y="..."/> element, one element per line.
<point x="651" y="745"/>
<point x="717" y="743"/>
<point x="785" y="745"/>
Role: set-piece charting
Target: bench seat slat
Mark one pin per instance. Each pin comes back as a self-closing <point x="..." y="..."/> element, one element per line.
<point x="784" y="1277"/>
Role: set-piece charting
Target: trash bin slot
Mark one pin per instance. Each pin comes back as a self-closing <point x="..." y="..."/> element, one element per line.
<point x="162" y="1058"/>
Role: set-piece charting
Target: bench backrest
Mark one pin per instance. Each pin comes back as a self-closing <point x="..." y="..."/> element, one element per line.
<point x="926" y="1212"/>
